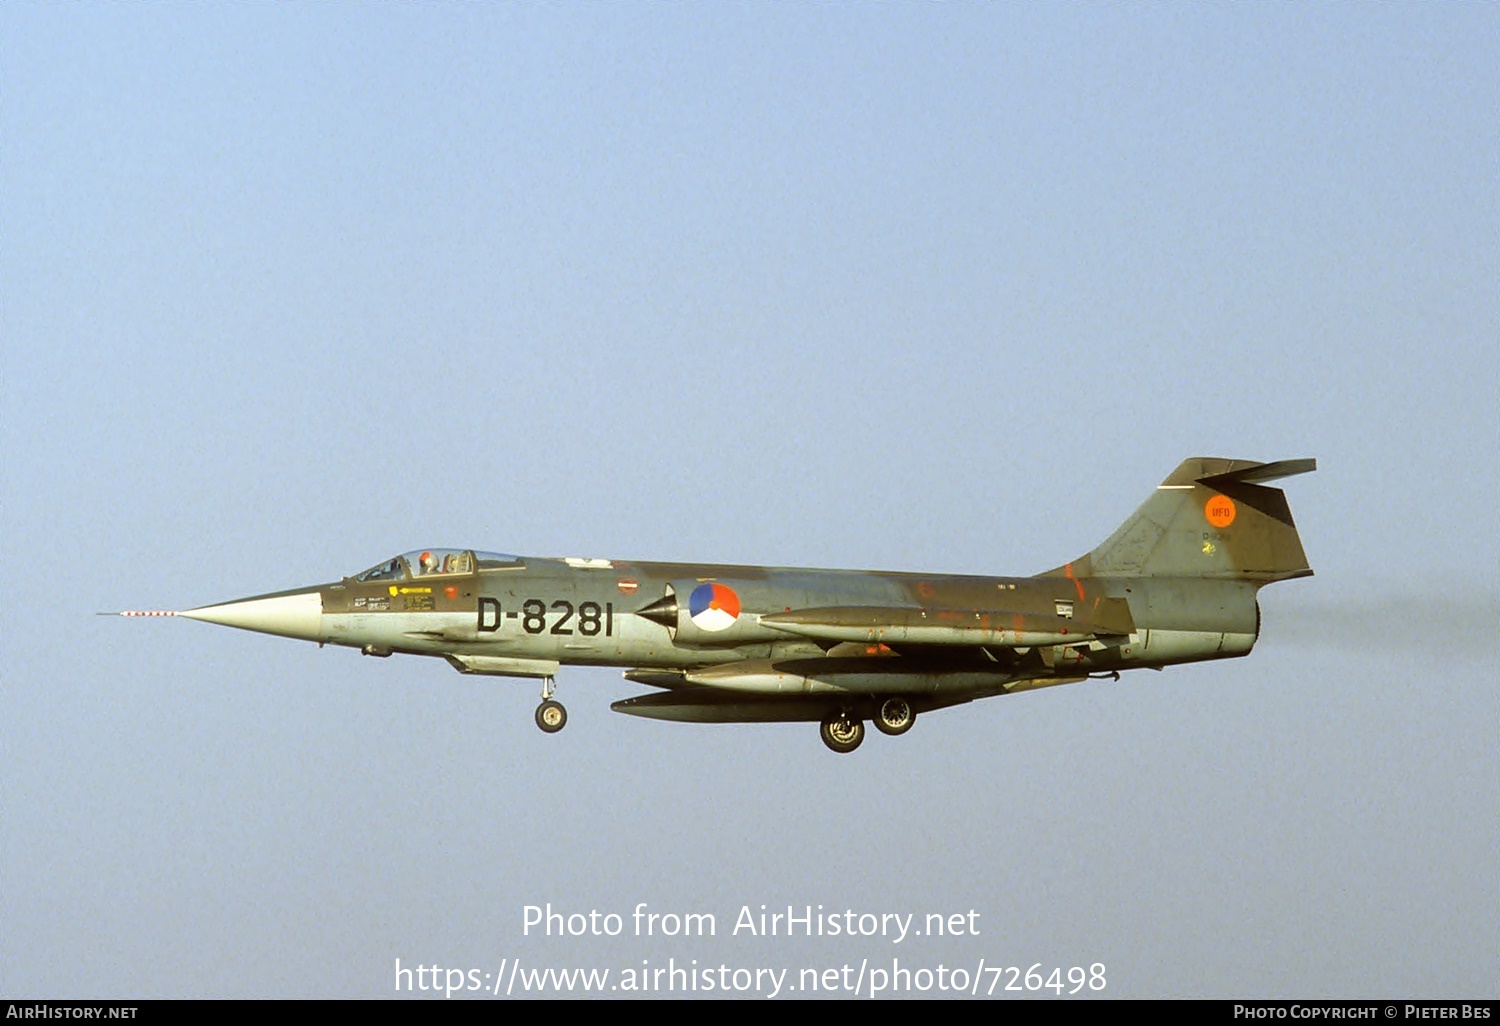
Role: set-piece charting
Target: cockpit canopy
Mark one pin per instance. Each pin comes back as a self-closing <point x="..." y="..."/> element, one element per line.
<point x="435" y="562"/>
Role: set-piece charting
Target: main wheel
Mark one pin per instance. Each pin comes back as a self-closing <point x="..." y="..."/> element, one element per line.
<point x="551" y="716"/>
<point x="895" y="716"/>
<point x="842" y="732"/>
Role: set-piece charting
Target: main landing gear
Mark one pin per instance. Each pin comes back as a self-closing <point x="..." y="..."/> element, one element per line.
<point x="895" y="716"/>
<point x="550" y="715"/>
<point x="844" y="730"/>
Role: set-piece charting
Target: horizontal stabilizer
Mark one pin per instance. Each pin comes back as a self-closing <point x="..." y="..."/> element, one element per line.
<point x="1262" y="472"/>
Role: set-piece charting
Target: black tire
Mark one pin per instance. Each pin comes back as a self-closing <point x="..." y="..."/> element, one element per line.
<point x="842" y="733"/>
<point x="551" y="716"/>
<point x="894" y="716"/>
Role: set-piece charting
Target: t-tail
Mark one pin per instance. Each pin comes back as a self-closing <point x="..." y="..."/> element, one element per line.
<point x="1212" y="518"/>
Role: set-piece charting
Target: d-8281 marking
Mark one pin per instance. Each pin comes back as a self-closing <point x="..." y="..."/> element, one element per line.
<point x="593" y="620"/>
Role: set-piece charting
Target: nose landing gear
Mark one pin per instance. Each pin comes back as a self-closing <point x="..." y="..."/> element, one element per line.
<point x="550" y="715"/>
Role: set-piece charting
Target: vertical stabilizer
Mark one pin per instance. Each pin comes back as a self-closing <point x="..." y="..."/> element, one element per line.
<point x="1213" y="518"/>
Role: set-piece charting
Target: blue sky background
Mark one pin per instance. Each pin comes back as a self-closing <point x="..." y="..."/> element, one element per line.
<point x="288" y="289"/>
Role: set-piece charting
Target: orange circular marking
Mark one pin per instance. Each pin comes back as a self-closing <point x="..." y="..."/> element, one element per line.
<point x="1220" y="511"/>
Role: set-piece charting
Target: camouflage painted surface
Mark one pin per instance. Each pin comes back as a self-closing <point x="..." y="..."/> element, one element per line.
<point x="1176" y="583"/>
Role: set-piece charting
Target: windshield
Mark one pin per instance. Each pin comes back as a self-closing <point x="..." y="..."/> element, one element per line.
<point x="392" y="569"/>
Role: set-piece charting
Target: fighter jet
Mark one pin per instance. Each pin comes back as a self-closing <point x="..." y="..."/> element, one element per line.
<point x="1176" y="583"/>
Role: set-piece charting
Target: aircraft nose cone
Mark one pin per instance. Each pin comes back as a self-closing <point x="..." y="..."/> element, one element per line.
<point x="293" y="615"/>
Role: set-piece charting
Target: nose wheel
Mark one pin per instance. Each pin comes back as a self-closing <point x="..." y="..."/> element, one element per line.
<point x="550" y="715"/>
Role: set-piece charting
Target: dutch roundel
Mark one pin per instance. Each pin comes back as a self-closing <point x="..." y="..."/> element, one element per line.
<point x="713" y="607"/>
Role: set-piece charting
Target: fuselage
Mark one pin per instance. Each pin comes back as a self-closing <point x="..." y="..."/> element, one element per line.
<point x="1175" y="583"/>
<point x="526" y="616"/>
